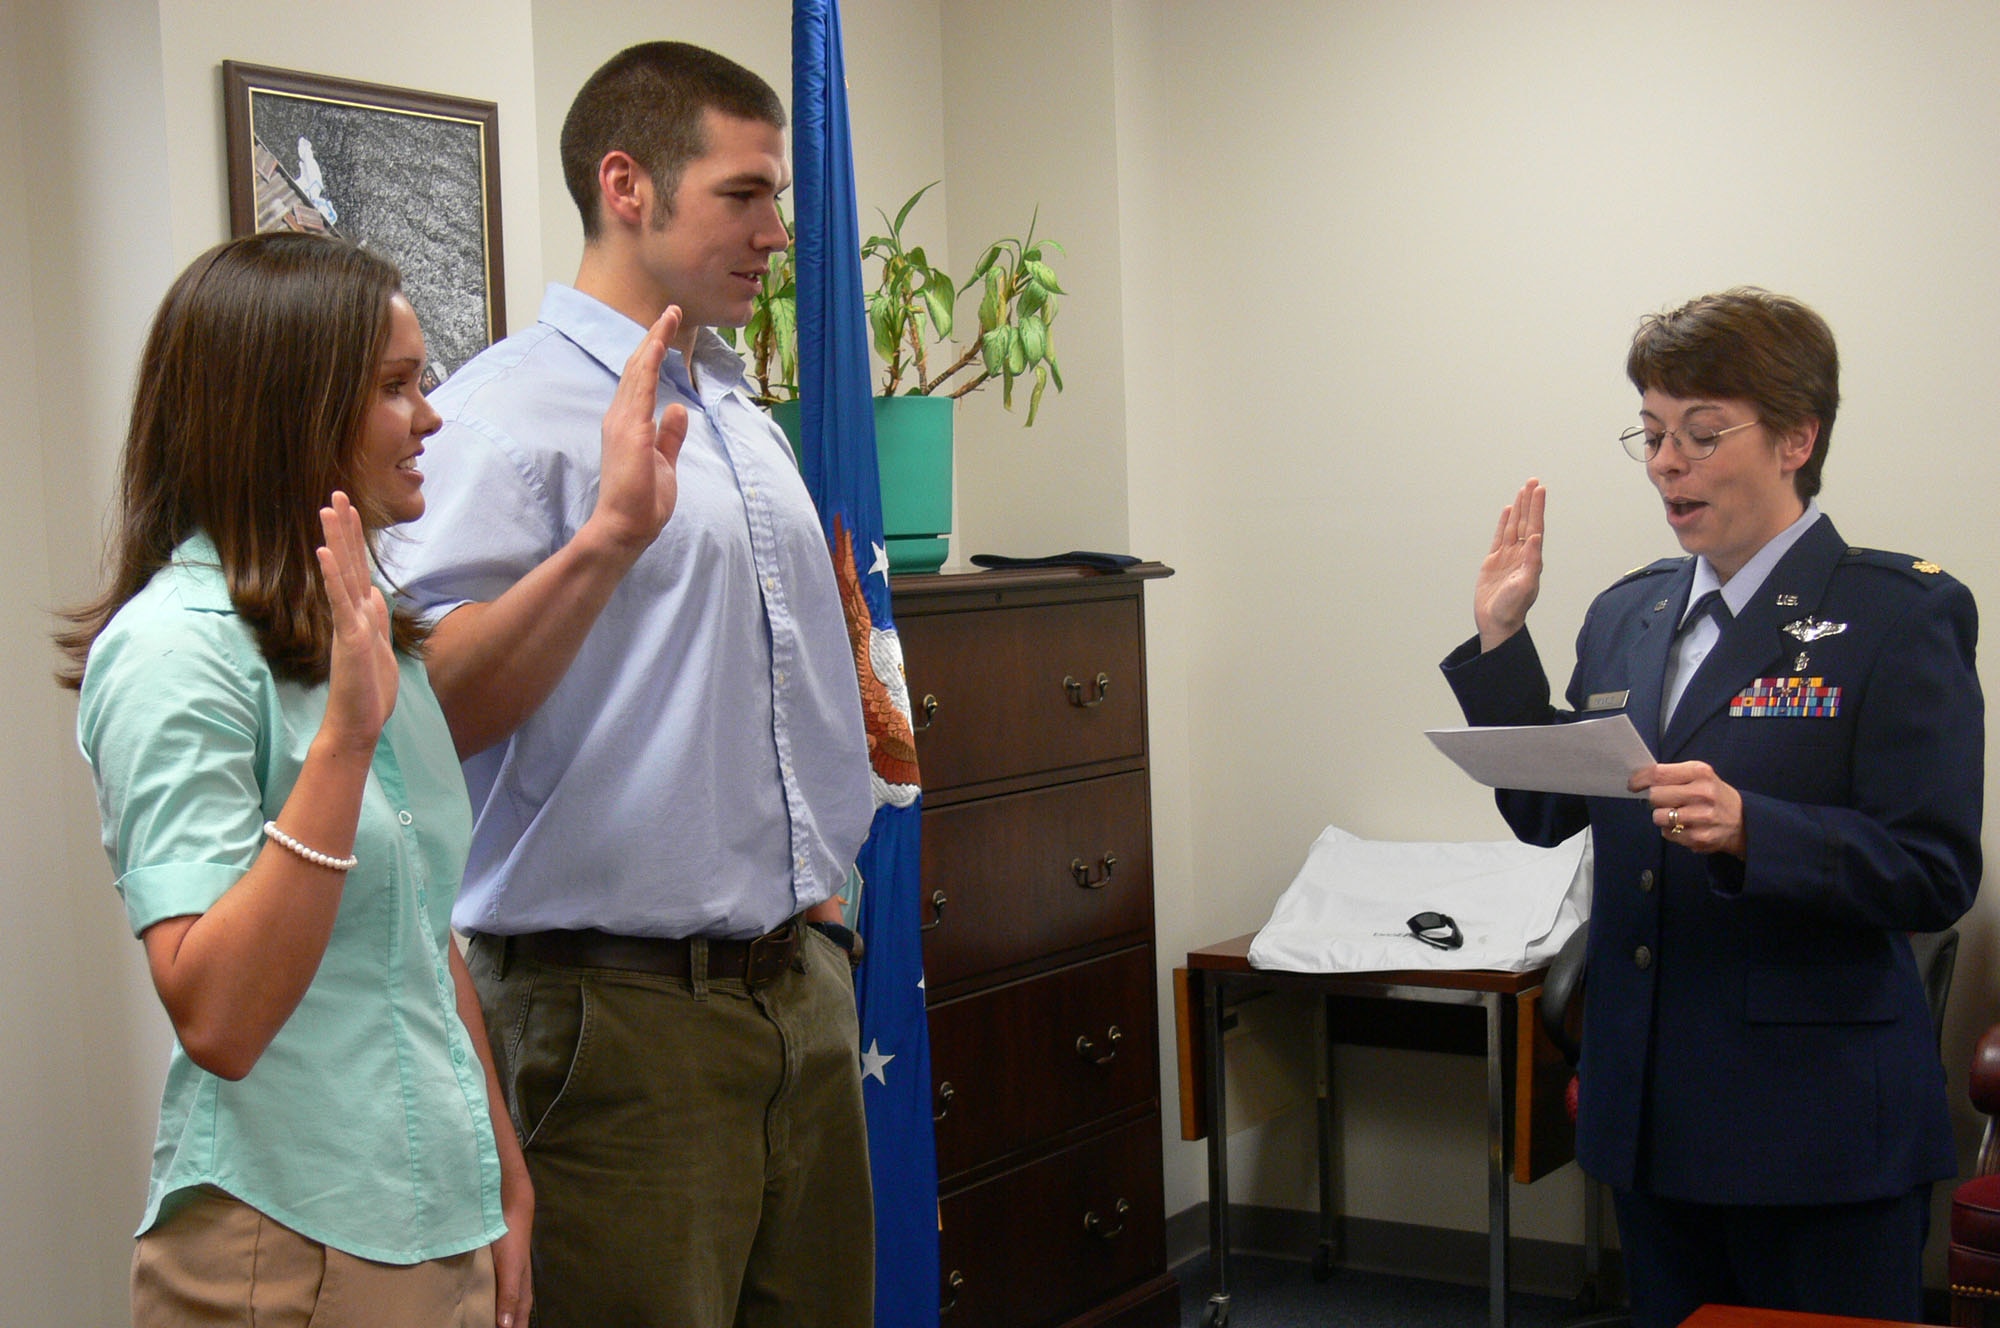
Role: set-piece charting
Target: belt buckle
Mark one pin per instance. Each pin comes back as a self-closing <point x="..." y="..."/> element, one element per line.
<point x="779" y="946"/>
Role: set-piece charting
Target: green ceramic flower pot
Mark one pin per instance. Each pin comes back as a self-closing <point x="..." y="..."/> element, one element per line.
<point x="913" y="452"/>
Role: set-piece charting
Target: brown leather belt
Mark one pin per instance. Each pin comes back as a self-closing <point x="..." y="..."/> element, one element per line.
<point x="755" y="962"/>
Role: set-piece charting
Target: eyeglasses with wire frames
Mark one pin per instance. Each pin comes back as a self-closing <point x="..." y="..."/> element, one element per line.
<point x="1695" y="444"/>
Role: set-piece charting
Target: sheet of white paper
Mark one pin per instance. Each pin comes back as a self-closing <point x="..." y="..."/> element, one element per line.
<point x="1596" y="757"/>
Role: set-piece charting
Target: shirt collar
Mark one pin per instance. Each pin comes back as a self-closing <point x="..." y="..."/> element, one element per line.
<point x="197" y="571"/>
<point x="609" y="337"/>
<point x="1750" y="578"/>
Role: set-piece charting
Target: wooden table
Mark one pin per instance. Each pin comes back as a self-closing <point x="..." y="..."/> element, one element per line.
<point x="1525" y="1078"/>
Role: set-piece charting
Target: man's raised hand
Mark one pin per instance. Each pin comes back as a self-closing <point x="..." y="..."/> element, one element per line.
<point x="638" y="486"/>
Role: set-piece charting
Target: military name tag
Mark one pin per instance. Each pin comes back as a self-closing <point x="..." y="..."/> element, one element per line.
<point x="1605" y="700"/>
<point x="1782" y="698"/>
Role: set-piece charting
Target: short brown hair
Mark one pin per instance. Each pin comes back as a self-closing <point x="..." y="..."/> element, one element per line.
<point x="648" y="101"/>
<point x="253" y="390"/>
<point x="1746" y="344"/>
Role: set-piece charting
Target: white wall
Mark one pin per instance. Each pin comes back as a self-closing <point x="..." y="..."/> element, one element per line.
<point x="1030" y="128"/>
<point x="82" y="237"/>
<point x="1402" y="252"/>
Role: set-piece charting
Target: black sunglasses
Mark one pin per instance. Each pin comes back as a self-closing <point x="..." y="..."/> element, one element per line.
<point x="1437" y="929"/>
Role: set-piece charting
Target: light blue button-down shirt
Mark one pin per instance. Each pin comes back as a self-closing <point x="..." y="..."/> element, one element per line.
<point x="701" y="769"/>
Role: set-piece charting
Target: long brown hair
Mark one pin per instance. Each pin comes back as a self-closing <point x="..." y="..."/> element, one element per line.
<point x="252" y="393"/>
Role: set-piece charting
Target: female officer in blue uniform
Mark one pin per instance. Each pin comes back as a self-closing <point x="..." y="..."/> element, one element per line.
<point x="1759" y="1080"/>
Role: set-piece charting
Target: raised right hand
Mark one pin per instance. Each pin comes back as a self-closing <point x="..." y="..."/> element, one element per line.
<point x="361" y="684"/>
<point x="1510" y="576"/>
<point x="638" y="486"/>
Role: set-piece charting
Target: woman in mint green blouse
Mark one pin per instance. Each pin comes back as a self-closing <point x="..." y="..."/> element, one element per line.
<point x="286" y="817"/>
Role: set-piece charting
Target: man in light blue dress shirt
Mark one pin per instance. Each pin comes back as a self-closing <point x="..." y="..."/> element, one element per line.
<point x="641" y="652"/>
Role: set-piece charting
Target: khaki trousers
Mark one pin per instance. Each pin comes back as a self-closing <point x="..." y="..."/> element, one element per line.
<point x="219" y="1263"/>
<point x="698" y="1149"/>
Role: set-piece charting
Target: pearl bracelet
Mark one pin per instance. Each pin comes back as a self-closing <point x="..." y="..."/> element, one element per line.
<point x="312" y="855"/>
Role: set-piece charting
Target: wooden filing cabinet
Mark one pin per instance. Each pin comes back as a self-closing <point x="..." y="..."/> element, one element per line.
<point x="1029" y="694"/>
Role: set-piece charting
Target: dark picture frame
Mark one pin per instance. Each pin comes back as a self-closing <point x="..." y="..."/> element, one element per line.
<point x="413" y="175"/>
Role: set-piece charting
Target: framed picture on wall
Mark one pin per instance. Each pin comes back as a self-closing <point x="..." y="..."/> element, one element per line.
<point x="412" y="175"/>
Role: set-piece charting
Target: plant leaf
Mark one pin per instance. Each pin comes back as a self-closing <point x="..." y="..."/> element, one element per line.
<point x="1035" y="398"/>
<point x="901" y="217"/>
<point x="1054" y="372"/>
<point x="1017" y="352"/>
<point x="1044" y="275"/>
<point x="984" y="265"/>
<point x="1034" y="339"/>
<point x="938" y="306"/>
<point x="993" y="349"/>
<point x="882" y="326"/>
<point x="992" y="305"/>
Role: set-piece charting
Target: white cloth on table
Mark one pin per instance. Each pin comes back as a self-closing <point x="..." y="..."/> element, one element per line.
<point x="1349" y="908"/>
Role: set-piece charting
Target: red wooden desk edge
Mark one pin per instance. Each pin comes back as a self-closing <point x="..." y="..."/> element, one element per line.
<point x="1737" y="1316"/>
<point x="1233" y="956"/>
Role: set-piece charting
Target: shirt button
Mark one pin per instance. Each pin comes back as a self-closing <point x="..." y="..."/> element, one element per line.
<point x="779" y="677"/>
<point x="1643" y="957"/>
<point x="458" y="1055"/>
<point x="1645" y="882"/>
<point x="405" y="817"/>
<point x="770" y="583"/>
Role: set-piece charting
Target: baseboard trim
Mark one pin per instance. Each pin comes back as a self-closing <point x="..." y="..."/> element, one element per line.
<point x="1406" y="1249"/>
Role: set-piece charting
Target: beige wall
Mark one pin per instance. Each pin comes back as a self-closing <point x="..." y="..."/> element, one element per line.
<point x="1342" y="275"/>
<point x="1403" y="260"/>
<point x="83" y="244"/>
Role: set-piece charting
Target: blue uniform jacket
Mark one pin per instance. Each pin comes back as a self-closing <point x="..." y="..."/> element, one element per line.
<point x="1755" y="1030"/>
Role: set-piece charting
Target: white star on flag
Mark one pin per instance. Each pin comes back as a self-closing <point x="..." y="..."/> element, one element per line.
<point x="874" y="1062"/>
<point x="881" y="563"/>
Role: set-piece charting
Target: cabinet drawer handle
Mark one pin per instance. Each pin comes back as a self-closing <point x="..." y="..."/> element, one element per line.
<point x="954" y="1280"/>
<point x="1075" y="690"/>
<point x="929" y="705"/>
<point x="945" y="1093"/>
<point x="1089" y="1051"/>
<point x="937" y="912"/>
<point x="1097" y="1226"/>
<point x="1081" y="870"/>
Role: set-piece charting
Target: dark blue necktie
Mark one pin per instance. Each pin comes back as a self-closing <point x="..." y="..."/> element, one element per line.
<point x="1710" y="605"/>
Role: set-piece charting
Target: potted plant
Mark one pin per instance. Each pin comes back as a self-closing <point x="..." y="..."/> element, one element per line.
<point x="911" y="317"/>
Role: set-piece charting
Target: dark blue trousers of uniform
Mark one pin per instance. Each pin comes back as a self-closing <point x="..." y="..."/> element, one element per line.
<point x="1864" y="1260"/>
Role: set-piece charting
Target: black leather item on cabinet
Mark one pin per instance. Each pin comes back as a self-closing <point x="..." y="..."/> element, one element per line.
<point x="1029" y="693"/>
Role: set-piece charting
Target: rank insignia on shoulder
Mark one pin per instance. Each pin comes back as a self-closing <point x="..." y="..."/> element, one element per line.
<point x="1786" y="698"/>
<point x="1927" y="568"/>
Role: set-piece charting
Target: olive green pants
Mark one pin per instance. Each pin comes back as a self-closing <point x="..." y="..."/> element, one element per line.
<point x="698" y="1148"/>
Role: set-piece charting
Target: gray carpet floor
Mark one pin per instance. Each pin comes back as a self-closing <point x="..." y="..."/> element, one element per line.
<point x="1281" y="1293"/>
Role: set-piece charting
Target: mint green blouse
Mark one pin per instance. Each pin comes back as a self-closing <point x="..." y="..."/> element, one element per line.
<point x="364" y="1125"/>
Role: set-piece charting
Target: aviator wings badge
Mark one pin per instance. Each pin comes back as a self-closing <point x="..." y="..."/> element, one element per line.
<point x="1809" y="629"/>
